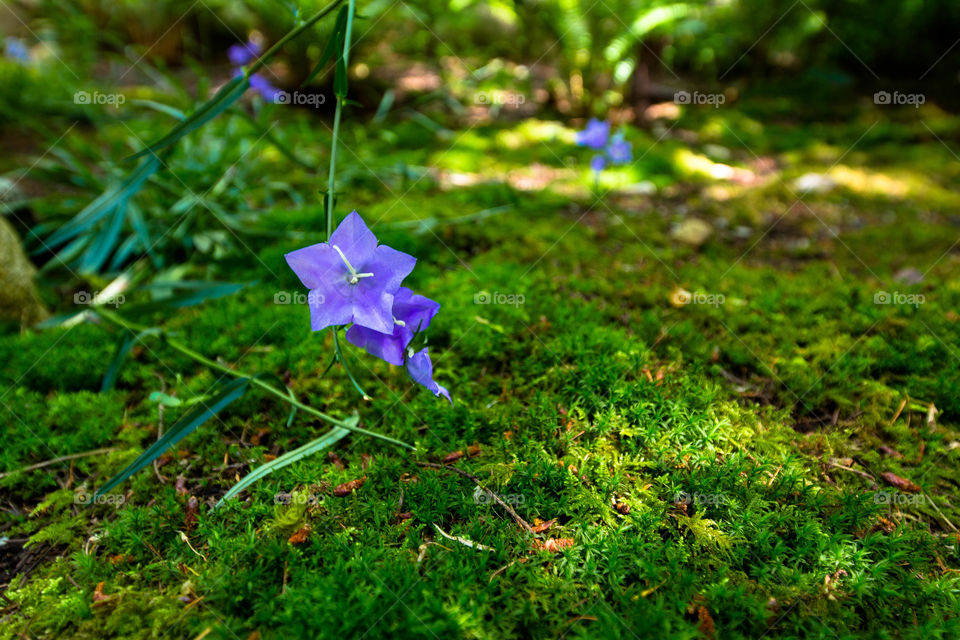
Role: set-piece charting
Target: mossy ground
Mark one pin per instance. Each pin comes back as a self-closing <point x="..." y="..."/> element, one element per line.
<point x="597" y="402"/>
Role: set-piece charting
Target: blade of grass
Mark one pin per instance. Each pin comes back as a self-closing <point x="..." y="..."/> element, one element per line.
<point x="326" y="440"/>
<point x="181" y="429"/>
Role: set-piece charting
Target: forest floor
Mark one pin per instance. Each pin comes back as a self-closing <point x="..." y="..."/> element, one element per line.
<point x="720" y="383"/>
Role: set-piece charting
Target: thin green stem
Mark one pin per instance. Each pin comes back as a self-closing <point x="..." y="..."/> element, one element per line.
<point x="336" y="122"/>
<point x="343" y="361"/>
<point x="312" y="20"/>
<point x="282" y="395"/>
<point x="331" y="180"/>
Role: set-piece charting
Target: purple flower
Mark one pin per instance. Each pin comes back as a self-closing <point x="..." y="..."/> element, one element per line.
<point x="620" y="151"/>
<point x="421" y="370"/>
<point x="16" y="49"/>
<point x="351" y="278"/>
<point x="411" y="313"/>
<point x="262" y="86"/>
<point x="595" y="135"/>
<point x="242" y="54"/>
<point x="598" y="162"/>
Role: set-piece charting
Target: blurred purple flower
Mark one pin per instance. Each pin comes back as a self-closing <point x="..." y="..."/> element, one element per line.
<point x="16" y="49"/>
<point x="351" y="278"/>
<point x="262" y="86"/>
<point x="242" y="54"/>
<point x="595" y="135"/>
<point x="420" y="369"/>
<point x="411" y="313"/>
<point x="598" y="162"/>
<point x="620" y="151"/>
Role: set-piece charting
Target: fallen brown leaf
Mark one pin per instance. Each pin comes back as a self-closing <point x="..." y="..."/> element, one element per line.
<point x="553" y="545"/>
<point x="300" y="535"/>
<point x="190" y="516"/>
<point x="543" y="526"/>
<point x="705" y="621"/>
<point x="900" y="483"/>
<point x="336" y="461"/>
<point x="347" y="488"/>
<point x="99" y="596"/>
<point x="452" y="457"/>
<point x="889" y="451"/>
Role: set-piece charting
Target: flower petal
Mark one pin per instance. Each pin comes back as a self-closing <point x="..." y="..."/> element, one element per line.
<point x="420" y="369"/>
<point x="389" y="267"/>
<point x="387" y="347"/>
<point x="329" y="307"/>
<point x="414" y="310"/>
<point x="316" y="264"/>
<point x="355" y="239"/>
<point x="371" y="307"/>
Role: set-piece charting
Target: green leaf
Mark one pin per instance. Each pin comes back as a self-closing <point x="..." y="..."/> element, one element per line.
<point x="165" y="399"/>
<point x="104" y="242"/>
<point x="331" y="49"/>
<point x="328" y="439"/>
<point x="124" y="345"/>
<point x="182" y="428"/>
<point x="173" y="112"/>
<point x="226" y="96"/>
<point x="107" y="202"/>
<point x="192" y="293"/>
<point x="340" y="79"/>
<point x="123" y="348"/>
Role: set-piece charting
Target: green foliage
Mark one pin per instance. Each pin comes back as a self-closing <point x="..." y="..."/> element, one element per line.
<point x="595" y="403"/>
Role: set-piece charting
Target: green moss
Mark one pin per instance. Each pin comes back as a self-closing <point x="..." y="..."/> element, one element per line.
<point x="728" y="426"/>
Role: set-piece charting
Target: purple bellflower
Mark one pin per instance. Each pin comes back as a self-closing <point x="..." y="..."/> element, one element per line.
<point x="420" y="369"/>
<point x="243" y="54"/>
<point x="411" y="313"/>
<point x="598" y="162"/>
<point x="351" y="278"/>
<point x="620" y="151"/>
<point x="595" y="135"/>
<point x="262" y="86"/>
<point x="16" y="49"/>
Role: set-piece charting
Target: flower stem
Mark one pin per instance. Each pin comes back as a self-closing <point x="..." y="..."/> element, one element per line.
<point x="331" y="186"/>
<point x="336" y="122"/>
<point x="132" y="327"/>
<point x="312" y="20"/>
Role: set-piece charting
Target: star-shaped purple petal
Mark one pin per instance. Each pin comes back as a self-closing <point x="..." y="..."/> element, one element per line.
<point x="595" y="135"/>
<point x="420" y="369"/>
<point x="351" y="278"/>
<point x="241" y="54"/>
<point x="413" y="311"/>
